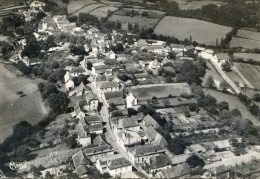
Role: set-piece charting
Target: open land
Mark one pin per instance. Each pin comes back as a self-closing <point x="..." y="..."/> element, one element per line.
<point x="233" y="102"/>
<point x="250" y="72"/>
<point x="200" y="31"/>
<point x="13" y="108"/>
<point x="74" y="6"/>
<point x="246" y="43"/>
<point x="198" y="4"/>
<point x="145" y="23"/>
<point x="103" y="11"/>
<point x="144" y="92"/>
<point x="88" y="9"/>
<point x="248" y="56"/>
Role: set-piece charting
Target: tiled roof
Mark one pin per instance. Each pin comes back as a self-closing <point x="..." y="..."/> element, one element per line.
<point x="177" y="159"/>
<point x="95" y="127"/>
<point x="99" y="140"/>
<point x="159" y="161"/>
<point x="105" y="85"/>
<point x="177" y="171"/>
<point x="127" y="123"/>
<point x="150" y="121"/>
<point x="77" y="70"/>
<point x="93" y="119"/>
<point x="110" y="95"/>
<point x="155" y="137"/>
<point x="118" y="163"/>
<point x="147" y="149"/>
<point x="92" y="150"/>
<point x="222" y="56"/>
<point x="90" y="96"/>
<point x="79" y="159"/>
<point x="116" y="101"/>
<point x="82" y="170"/>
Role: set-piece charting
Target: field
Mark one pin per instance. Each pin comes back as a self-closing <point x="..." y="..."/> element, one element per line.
<point x="145" y="23"/>
<point x="10" y="2"/>
<point x="77" y="5"/>
<point x="233" y="102"/>
<point x="201" y="31"/>
<point x="198" y="4"/>
<point x="88" y="9"/>
<point x="14" y="109"/>
<point x="246" y="43"/>
<point x="144" y="92"/>
<point x="248" y="56"/>
<point x="152" y="13"/>
<point x="248" y="35"/>
<point x="103" y="11"/>
<point x="250" y="73"/>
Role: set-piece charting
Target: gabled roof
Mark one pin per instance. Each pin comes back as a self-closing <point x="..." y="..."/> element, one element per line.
<point x="116" y="94"/>
<point x="155" y="137"/>
<point x="108" y="84"/>
<point x="80" y="88"/>
<point x="127" y="123"/>
<point x="82" y="170"/>
<point x="116" y="101"/>
<point x="177" y="171"/>
<point x="150" y="121"/>
<point x="95" y="150"/>
<point x="99" y="140"/>
<point x="159" y="161"/>
<point x="77" y="109"/>
<point x="79" y="159"/>
<point x="67" y="77"/>
<point x="222" y="56"/>
<point x="95" y="127"/>
<point x="118" y="163"/>
<point x="90" y="96"/>
<point x="147" y="149"/>
<point x="77" y="70"/>
<point x="93" y="119"/>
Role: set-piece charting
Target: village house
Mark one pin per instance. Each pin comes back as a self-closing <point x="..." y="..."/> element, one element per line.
<point x="128" y="138"/>
<point x="99" y="140"/>
<point x="78" y="112"/>
<point x="107" y="87"/>
<point x="131" y="101"/>
<point x="207" y="54"/>
<point x="91" y="120"/>
<point x="150" y="121"/>
<point x="31" y="61"/>
<point x="189" y="48"/>
<point x="198" y="49"/>
<point x="76" y="71"/>
<point x="157" y="49"/>
<point x="153" y="137"/>
<point x="158" y="163"/>
<point x="95" y="128"/>
<point x="93" y="153"/>
<point x="81" y="163"/>
<point x="47" y="25"/>
<point x="69" y="83"/>
<point x="125" y="123"/>
<point x="99" y="69"/>
<point x="115" y="165"/>
<point x="179" y="171"/>
<point x="177" y="47"/>
<point x="221" y="57"/>
<point x="143" y="153"/>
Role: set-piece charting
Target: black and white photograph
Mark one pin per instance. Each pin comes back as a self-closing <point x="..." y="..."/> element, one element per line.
<point x="129" y="89"/>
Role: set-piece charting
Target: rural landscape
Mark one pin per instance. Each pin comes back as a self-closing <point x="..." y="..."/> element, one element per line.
<point x="129" y="89"/>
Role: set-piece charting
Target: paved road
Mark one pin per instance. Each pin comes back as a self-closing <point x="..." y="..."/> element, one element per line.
<point x="225" y="77"/>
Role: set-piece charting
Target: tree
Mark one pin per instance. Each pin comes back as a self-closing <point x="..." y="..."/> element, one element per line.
<point x="130" y="27"/>
<point x="58" y="102"/>
<point x="23" y="68"/>
<point x="256" y="97"/>
<point x="89" y="65"/>
<point x="210" y="82"/>
<point x="226" y="66"/>
<point x="32" y="48"/>
<point x="119" y="48"/>
<point x="224" y="86"/>
<point x="195" y="161"/>
<point x="71" y="142"/>
<point x="223" y="105"/>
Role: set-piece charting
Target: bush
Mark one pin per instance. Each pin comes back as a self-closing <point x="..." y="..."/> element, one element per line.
<point x="195" y="161"/>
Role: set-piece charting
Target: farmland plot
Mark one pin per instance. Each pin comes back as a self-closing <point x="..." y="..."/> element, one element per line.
<point x="250" y="72"/>
<point x="77" y="5"/>
<point x="198" y="4"/>
<point x="246" y="43"/>
<point x="201" y="31"/>
<point x="144" y="92"/>
<point x="145" y="23"/>
<point x="88" y="9"/>
<point x="103" y="11"/>
<point x="248" y="35"/>
<point x="248" y="56"/>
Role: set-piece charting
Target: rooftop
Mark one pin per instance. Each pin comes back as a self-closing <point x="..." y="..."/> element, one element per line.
<point x="147" y="149"/>
<point x="95" y="150"/>
<point x="159" y="161"/>
<point x="118" y="163"/>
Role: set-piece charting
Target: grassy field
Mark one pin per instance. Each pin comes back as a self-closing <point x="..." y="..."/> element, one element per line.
<point x="74" y="6"/>
<point x="103" y="11"/>
<point x="233" y="102"/>
<point x="14" y="109"/>
<point x="198" y="4"/>
<point x="246" y="43"/>
<point x="247" y="56"/>
<point x="144" y="92"/>
<point x="145" y="23"/>
<point x="201" y="31"/>
<point x="250" y="72"/>
<point x="248" y="35"/>
<point x="88" y="9"/>
<point x="11" y="2"/>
